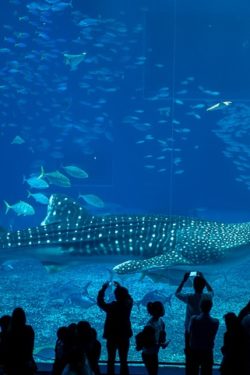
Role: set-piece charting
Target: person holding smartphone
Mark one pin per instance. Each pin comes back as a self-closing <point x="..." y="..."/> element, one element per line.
<point x="192" y="301"/>
<point x="117" y="326"/>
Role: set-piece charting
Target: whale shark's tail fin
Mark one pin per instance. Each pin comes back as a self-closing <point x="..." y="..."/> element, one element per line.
<point x="64" y="209"/>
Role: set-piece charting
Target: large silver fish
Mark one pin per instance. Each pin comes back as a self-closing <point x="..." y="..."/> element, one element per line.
<point x="147" y="241"/>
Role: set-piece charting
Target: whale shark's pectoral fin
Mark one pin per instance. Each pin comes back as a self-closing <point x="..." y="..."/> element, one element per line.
<point x="132" y="266"/>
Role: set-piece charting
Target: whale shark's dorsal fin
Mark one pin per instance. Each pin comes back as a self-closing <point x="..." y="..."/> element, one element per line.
<point x="63" y="209"/>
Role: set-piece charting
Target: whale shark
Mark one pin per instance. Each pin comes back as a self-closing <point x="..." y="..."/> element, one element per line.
<point x="147" y="242"/>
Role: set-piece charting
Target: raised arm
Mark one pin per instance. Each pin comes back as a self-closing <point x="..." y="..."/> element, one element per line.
<point x="208" y="286"/>
<point x="179" y="289"/>
<point x="100" y="297"/>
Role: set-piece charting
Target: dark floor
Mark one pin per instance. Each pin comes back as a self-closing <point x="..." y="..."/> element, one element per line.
<point x="134" y="370"/>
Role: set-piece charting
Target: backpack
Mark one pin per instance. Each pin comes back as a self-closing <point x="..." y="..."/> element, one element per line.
<point x="145" y="338"/>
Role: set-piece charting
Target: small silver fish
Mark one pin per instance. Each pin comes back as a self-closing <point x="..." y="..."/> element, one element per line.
<point x="36" y="183"/>
<point x="18" y="140"/>
<point x="20" y="208"/>
<point x="74" y="60"/>
<point x="218" y="106"/>
<point x="39" y="197"/>
<point x="55" y="178"/>
<point x="93" y="200"/>
<point x="75" y="171"/>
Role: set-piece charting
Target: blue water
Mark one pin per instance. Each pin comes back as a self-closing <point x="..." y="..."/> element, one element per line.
<point x="132" y="115"/>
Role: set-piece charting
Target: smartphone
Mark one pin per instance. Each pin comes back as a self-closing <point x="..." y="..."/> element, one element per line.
<point x="193" y="273"/>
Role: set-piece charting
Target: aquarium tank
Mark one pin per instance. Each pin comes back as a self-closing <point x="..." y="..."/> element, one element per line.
<point x="134" y="116"/>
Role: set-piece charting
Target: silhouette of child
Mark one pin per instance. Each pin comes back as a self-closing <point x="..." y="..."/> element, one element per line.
<point x="60" y="351"/>
<point x="154" y="337"/>
<point x="77" y="364"/>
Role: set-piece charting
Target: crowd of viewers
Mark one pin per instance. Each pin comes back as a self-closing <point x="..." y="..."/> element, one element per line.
<point x="78" y="351"/>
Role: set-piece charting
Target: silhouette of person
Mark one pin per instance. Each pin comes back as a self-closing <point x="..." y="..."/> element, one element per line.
<point x="4" y="325"/>
<point x="202" y="330"/>
<point x="60" y="351"/>
<point x="87" y="338"/>
<point x="19" y="345"/>
<point x="77" y="364"/>
<point x="192" y="300"/>
<point x="117" y="326"/>
<point x="233" y="346"/>
<point x="244" y="312"/>
<point x="84" y="336"/>
<point x="94" y="352"/>
<point x="154" y="337"/>
<point x="244" y="318"/>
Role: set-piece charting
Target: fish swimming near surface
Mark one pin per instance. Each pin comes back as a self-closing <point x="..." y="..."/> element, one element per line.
<point x="147" y="241"/>
<point x="217" y="106"/>
<point x="74" y="60"/>
<point x="18" y="140"/>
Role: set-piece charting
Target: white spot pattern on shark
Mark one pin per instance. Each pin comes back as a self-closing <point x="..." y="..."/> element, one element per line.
<point x="156" y="240"/>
